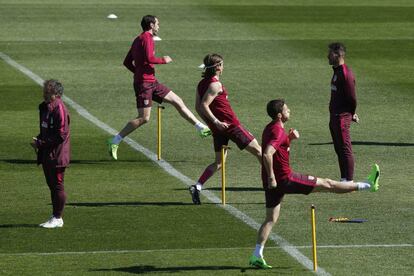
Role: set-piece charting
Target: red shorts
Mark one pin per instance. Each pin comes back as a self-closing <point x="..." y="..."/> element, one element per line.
<point x="238" y="134"/>
<point x="146" y="92"/>
<point x="295" y="184"/>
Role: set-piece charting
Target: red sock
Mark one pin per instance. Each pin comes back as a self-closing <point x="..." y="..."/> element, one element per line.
<point x="208" y="172"/>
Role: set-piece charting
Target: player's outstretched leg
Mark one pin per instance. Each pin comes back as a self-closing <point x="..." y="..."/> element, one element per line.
<point x="179" y="104"/>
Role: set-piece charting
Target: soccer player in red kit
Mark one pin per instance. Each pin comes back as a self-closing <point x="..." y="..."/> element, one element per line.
<point x="53" y="147"/>
<point x="278" y="178"/>
<point x="342" y="108"/>
<point x="214" y="108"/>
<point x="140" y="61"/>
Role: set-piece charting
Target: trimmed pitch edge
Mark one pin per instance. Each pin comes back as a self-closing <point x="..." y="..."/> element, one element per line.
<point x="284" y="244"/>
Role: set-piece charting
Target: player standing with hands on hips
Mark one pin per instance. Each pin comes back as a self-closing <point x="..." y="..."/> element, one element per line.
<point x="342" y="108"/>
<point x="140" y="60"/>
<point x="278" y="178"/>
<point x="53" y="147"/>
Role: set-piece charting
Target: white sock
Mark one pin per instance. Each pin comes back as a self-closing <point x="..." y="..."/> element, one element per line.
<point x="258" y="251"/>
<point x="199" y="186"/>
<point x="199" y="126"/>
<point x="117" y="139"/>
<point x="363" y="186"/>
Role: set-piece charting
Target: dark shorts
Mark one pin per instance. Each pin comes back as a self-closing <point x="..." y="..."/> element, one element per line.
<point x="146" y="92"/>
<point x="238" y="134"/>
<point x="296" y="184"/>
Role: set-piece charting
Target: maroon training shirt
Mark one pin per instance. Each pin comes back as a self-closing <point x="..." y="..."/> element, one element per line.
<point x="141" y="58"/>
<point x="54" y="139"/>
<point x="274" y="135"/>
<point x="220" y="106"/>
<point x="343" y="97"/>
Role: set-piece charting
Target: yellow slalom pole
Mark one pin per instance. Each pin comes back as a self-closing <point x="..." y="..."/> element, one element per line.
<point x="159" y="114"/>
<point x="315" y="258"/>
<point x="223" y="175"/>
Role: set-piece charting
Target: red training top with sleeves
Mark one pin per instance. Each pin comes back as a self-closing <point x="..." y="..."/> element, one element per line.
<point x="274" y="135"/>
<point x="54" y="139"/>
<point x="141" y="58"/>
<point x="343" y="97"/>
<point x="220" y="106"/>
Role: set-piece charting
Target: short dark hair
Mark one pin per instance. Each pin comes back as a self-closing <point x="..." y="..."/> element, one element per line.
<point x="146" y="22"/>
<point x="338" y="48"/>
<point x="275" y="107"/>
<point x="211" y="61"/>
<point x="53" y="87"/>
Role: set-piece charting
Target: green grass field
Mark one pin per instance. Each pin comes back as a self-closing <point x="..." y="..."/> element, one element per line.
<point x="131" y="216"/>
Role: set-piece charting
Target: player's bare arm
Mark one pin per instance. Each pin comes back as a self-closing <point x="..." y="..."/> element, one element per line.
<point x="167" y="59"/>
<point x="355" y="118"/>
<point x="268" y="164"/>
<point x="293" y="134"/>
<point x="213" y="91"/>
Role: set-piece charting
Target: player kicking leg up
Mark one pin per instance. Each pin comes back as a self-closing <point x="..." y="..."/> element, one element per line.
<point x="140" y="60"/>
<point x="144" y="116"/>
<point x="278" y="178"/>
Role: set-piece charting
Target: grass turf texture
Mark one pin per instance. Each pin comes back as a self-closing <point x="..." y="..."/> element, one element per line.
<point x="114" y="206"/>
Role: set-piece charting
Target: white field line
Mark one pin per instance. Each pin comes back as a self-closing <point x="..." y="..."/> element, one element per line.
<point x="284" y="244"/>
<point x="198" y="249"/>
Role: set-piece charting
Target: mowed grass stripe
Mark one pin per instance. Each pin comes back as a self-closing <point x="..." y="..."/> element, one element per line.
<point x="202" y="249"/>
<point x="284" y="244"/>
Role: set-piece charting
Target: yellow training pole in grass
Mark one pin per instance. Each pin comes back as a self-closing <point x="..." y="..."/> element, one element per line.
<point x="160" y="107"/>
<point x="315" y="258"/>
<point x="223" y="174"/>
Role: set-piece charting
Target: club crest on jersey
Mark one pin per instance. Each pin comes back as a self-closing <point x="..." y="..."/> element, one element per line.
<point x="146" y="102"/>
<point x="44" y="124"/>
<point x="333" y="87"/>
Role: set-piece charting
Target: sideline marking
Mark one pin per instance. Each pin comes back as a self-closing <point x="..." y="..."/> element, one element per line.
<point x="284" y="244"/>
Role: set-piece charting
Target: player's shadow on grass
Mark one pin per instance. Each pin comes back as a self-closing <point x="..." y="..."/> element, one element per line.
<point x="141" y="269"/>
<point x="368" y="143"/>
<point x="232" y="189"/>
<point x="19" y="225"/>
<point x="81" y="162"/>
<point x="238" y="189"/>
<point x="131" y="203"/>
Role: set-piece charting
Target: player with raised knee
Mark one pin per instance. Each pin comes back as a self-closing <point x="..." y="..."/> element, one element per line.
<point x="214" y="108"/>
<point x="140" y="61"/>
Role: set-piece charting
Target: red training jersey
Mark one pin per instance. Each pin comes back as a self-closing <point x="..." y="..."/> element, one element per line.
<point x="141" y="58"/>
<point x="343" y="97"/>
<point x="274" y="135"/>
<point x="220" y="106"/>
<point x="54" y="138"/>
